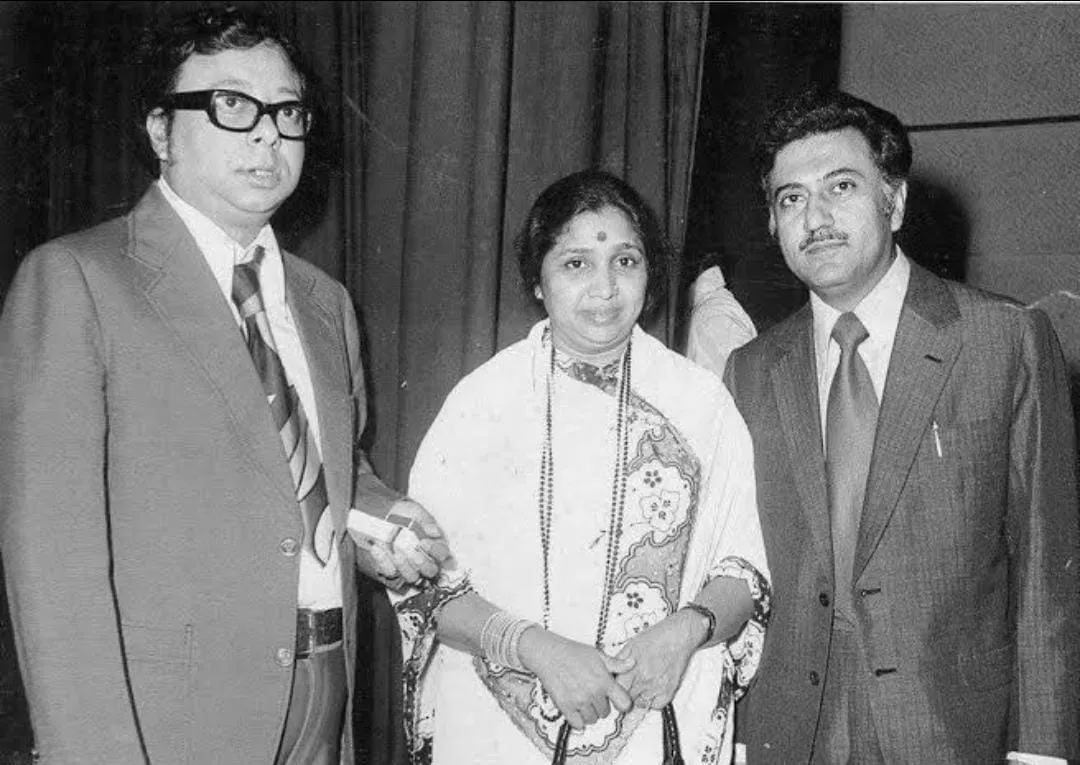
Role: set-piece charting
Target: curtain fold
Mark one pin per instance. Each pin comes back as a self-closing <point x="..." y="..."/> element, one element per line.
<point x="443" y="122"/>
<point x="467" y="110"/>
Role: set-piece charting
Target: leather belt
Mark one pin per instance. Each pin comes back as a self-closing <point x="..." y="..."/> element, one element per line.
<point x="317" y="631"/>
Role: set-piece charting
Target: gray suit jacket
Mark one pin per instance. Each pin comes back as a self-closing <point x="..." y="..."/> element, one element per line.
<point x="966" y="567"/>
<point x="146" y="510"/>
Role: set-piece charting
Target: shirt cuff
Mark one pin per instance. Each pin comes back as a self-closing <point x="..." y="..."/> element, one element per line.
<point x="1020" y="758"/>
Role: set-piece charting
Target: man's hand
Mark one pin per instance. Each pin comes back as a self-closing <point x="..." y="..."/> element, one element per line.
<point x="405" y="547"/>
<point x="375" y="560"/>
<point x="420" y="549"/>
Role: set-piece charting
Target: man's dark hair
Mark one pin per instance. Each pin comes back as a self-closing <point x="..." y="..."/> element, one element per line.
<point x="824" y="110"/>
<point x="591" y="191"/>
<point x="164" y="48"/>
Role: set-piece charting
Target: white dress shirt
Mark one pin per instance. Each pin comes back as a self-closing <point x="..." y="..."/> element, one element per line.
<point x="320" y="587"/>
<point x="879" y="312"/>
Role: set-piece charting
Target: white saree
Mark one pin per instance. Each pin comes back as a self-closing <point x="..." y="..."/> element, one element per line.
<point x="690" y="515"/>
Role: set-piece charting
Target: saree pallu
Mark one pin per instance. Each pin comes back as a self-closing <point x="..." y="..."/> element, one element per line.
<point x="689" y="515"/>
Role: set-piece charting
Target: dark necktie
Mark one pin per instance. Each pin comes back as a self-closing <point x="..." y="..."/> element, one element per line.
<point x="297" y="439"/>
<point x="850" y="422"/>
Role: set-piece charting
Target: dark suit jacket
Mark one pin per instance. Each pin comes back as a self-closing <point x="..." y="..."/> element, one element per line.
<point x="966" y="569"/>
<point x="146" y="508"/>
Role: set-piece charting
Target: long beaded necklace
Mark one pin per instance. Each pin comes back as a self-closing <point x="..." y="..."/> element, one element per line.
<point x="618" y="493"/>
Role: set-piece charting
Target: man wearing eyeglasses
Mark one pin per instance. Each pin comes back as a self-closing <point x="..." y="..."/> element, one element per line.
<point x="180" y="407"/>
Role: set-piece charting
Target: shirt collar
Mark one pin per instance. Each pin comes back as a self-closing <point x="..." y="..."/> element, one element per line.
<point x="879" y="311"/>
<point x="222" y="252"/>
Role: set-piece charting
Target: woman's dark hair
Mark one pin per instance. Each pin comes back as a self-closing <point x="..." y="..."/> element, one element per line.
<point x="164" y="48"/>
<point x="591" y="191"/>
<point x="823" y="110"/>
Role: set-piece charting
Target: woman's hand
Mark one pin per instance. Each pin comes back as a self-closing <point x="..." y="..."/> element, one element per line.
<point x="660" y="655"/>
<point x="579" y="678"/>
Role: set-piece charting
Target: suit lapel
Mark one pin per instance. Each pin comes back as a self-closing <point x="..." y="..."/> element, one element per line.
<point x="794" y="382"/>
<point x="323" y="341"/>
<point x="927" y="345"/>
<point x="182" y="289"/>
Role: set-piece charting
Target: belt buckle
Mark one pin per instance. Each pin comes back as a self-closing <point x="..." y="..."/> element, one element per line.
<point x="317" y="630"/>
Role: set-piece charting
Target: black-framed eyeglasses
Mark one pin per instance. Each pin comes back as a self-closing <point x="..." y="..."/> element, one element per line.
<point x="240" y="113"/>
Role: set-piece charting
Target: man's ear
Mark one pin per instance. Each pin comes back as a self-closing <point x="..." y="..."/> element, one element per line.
<point x="899" y="204"/>
<point x="772" y="223"/>
<point x="157" y="127"/>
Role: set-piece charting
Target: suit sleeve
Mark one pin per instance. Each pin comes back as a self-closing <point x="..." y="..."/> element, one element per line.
<point x="1043" y="528"/>
<point x="54" y="515"/>
<point x="727" y="374"/>
<point x="370" y="493"/>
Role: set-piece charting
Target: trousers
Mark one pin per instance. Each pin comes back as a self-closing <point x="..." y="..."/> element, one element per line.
<point x="316" y="714"/>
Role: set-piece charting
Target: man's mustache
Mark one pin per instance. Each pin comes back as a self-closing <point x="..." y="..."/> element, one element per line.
<point x="823" y="235"/>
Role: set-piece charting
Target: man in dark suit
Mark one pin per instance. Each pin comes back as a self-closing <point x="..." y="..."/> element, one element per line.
<point x="180" y="407"/>
<point x="914" y="453"/>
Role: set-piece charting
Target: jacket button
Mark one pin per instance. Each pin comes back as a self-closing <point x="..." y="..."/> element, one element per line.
<point x="815" y="678"/>
<point x="289" y="547"/>
<point x="284" y="657"/>
<point x="823" y="598"/>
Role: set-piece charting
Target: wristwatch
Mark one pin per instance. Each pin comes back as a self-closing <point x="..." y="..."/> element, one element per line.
<point x="709" y="616"/>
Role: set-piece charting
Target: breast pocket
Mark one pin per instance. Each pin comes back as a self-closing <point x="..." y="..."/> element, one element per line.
<point x="977" y="451"/>
<point x="963" y="478"/>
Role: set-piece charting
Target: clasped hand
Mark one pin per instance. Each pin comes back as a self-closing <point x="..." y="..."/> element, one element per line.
<point x="417" y="552"/>
<point x="660" y="655"/>
<point x="584" y="682"/>
<point x="579" y="678"/>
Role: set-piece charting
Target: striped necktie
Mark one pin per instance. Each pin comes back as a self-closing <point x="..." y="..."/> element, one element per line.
<point x="298" y="441"/>
<point x="850" y="425"/>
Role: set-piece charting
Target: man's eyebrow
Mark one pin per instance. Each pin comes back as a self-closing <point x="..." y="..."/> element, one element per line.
<point x="828" y="176"/>
<point x="243" y="86"/>
<point x="233" y="83"/>
<point x="787" y="186"/>
<point x="843" y="171"/>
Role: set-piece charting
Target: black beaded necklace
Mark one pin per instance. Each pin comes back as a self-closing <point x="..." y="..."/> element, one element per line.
<point x="618" y="492"/>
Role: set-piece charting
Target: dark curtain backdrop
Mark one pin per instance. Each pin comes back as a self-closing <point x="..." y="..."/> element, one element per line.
<point x="440" y="124"/>
<point x="466" y="112"/>
<point x="757" y="54"/>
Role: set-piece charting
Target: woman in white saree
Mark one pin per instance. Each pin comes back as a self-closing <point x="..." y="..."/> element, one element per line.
<point x="597" y="490"/>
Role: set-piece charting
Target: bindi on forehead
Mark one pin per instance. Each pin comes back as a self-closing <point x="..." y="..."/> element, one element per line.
<point x="601" y="236"/>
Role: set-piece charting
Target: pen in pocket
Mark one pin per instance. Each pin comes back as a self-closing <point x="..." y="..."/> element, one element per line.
<point x="937" y="438"/>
